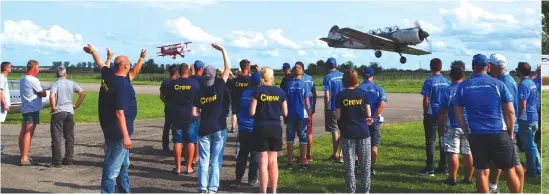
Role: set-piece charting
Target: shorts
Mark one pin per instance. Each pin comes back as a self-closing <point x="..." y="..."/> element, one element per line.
<point x="299" y="126"/>
<point x="330" y="122"/>
<point x="375" y="134"/>
<point x="267" y="138"/>
<point x="185" y="132"/>
<point x="497" y="148"/>
<point x="31" y="118"/>
<point x="310" y="125"/>
<point x="455" y="141"/>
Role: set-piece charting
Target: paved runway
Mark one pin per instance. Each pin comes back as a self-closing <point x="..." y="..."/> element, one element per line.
<point x="151" y="172"/>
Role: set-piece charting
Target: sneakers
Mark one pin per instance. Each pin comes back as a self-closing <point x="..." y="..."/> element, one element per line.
<point x="441" y="171"/>
<point x="493" y="188"/>
<point x="450" y="182"/>
<point x="53" y="165"/>
<point x="253" y="183"/>
<point x="466" y="182"/>
<point x="232" y="130"/>
<point x="304" y="167"/>
<point x="426" y="172"/>
<point x="66" y="162"/>
<point x="373" y="173"/>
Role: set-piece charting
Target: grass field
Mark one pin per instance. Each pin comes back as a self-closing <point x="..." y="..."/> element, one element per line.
<point x="149" y="107"/>
<point x="401" y="155"/>
<point x="409" y="82"/>
<point x="545" y="143"/>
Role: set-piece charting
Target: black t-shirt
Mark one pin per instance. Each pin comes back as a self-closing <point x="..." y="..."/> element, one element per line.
<point x="285" y="80"/>
<point x="180" y="94"/>
<point x="164" y="88"/>
<point x="118" y="95"/>
<point x="352" y="122"/>
<point x="211" y="102"/>
<point x="238" y="85"/>
<point x="269" y="100"/>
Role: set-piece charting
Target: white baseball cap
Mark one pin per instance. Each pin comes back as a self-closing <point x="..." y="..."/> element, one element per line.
<point x="498" y="60"/>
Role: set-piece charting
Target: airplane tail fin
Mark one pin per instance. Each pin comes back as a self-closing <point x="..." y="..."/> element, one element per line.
<point x="333" y="32"/>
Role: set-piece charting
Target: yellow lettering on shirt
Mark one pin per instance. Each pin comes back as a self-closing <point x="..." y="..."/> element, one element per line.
<point x="238" y="84"/>
<point x="205" y="100"/>
<point x="104" y="85"/>
<point x="348" y="102"/>
<point x="266" y="98"/>
<point x="182" y="87"/>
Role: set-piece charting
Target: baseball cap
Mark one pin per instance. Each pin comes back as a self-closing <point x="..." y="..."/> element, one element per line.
<point x="256" y="79"/>
<point x="208" y="78"/>
<point x="198" y="64"/>
<point x="480" y="60"/>
<point x="331" y="62"/>
<point x="368" y="71"/>
<point x="498" y="60"/>
<point x="286" y="66"/>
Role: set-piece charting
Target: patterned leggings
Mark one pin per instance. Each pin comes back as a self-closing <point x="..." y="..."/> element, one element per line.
<point x="349" y="148"/>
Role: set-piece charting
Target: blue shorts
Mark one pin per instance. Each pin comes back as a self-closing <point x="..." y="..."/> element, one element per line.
<point x="31" y="118"/>
<point x="298" y="126"/>
<point x="187" y="133"/>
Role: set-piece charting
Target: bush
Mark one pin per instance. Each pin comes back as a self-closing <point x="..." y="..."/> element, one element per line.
<point x="545" y="80"/>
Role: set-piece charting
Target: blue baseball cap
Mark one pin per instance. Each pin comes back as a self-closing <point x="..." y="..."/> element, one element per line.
<point x="256" y="79"/>
<point x="368" y="71"/>
<point x="286" y="66"/>
<point x="331" y="62"/>
<point x="198" y="64"/>
<point x="480" y="60"/>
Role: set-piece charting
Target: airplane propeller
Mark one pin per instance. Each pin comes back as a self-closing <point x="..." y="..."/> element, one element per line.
<point x="423" y="34"/>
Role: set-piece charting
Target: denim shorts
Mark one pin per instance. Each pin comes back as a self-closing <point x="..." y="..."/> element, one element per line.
<point x="299" y="126"/>
<point x="187" y="133"/>
<point x="31" y="118"/>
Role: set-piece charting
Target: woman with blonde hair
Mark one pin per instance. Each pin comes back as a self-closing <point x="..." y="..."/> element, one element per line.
<point x="267" y="106"/>
<point x="353" y="116"/>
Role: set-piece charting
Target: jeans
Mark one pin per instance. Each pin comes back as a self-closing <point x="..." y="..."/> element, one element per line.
<point x="246" y="148"/>
<point x="527" y="130"/>
<point x="166" y="132"/>
<point x="115" y="165"/>
<point x="214" y="145"/>
<point x="62" y="126"/>
<point x="430" y="124"/>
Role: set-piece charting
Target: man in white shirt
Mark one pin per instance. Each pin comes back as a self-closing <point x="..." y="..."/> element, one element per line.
<point x="4" y="93"/>
<point x="31" y="97"/>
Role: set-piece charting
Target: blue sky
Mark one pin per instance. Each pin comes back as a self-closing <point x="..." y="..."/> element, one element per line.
<point x="266" y="33"/>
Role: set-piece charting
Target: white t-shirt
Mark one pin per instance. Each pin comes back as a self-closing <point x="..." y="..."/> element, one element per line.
<point x="6" y="91"/>
<point x="29" y="88"/>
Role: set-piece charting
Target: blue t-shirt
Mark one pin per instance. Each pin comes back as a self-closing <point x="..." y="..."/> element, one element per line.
<point x="511" y="84"/>
<point x="311" y="85"/>
<point x="119" y="96"/>
<point x="446" y="103"/>
<point x="269" y="100"/>
<point x="483" y="97"/>
<point x="210" y="100"/>
<point x="352" y="121"/>
<point x="537" y="81"/>
<point x="527" y="91"/>
<point x="245" y="121"/>
<point x="237" y="86"/>
<point x="180" y="94"/>
<point x="197" y="78"/>
<point x="375" y="93"/>
<point x="296" y="92"/>
<point x="432" y="88"/>
<point x="333" y="84"/>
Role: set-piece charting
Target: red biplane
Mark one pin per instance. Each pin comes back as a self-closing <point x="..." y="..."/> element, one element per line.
<point x="173" y="50"/>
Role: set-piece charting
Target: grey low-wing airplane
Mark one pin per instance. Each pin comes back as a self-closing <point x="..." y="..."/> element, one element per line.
<point x="391" y="39"/>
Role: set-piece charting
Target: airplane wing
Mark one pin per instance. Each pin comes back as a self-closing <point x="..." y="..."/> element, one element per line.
<point x="369" y="40"/>
<point x="414" y="51"/>
<point x="169" y="45"/>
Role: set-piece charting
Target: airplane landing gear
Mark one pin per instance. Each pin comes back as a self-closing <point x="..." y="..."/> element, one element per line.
<point x="402" y="59"/>
<point x="378" y="53"/>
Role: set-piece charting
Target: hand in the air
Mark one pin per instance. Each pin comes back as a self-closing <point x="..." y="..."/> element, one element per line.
<point x="217" y="47"/>
<point x="88" y="48"/>
<point x="109" y="53"/>
<point x="143" y="53"/>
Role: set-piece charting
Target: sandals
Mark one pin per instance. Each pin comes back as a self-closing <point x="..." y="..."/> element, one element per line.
<point x="29" y="162"/>
<point x="174" y="171"/>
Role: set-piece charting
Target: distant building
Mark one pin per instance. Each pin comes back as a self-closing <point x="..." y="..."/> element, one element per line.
<point x="545" y="65"/>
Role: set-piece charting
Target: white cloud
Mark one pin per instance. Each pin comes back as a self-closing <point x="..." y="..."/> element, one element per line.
<point x="430" y="28"/>
<point x="468" y="17"/>
<point x="301" y="52"/>
<point x="529" y="11"/>
<point x="273" y="53"/>
<point x="527" y="56"/>
<point x="25" y="32"/>
<point x="276" y="35"/>
<point x="184" y="28"/>
<point x="187" y="4"/>
<point x="248" y="39"/>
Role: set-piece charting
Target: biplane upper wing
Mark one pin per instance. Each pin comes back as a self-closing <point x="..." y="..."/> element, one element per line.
<point x="369" y="40"/>
<point x="178" y="44"/>
<point x="413" y="51"/>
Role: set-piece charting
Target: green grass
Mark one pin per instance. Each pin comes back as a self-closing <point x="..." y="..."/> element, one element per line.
<point x="149" y="107"/>
<point x="408" y="82"/>
<point x="545" y="144"/>
<point x="401" y="155"/>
